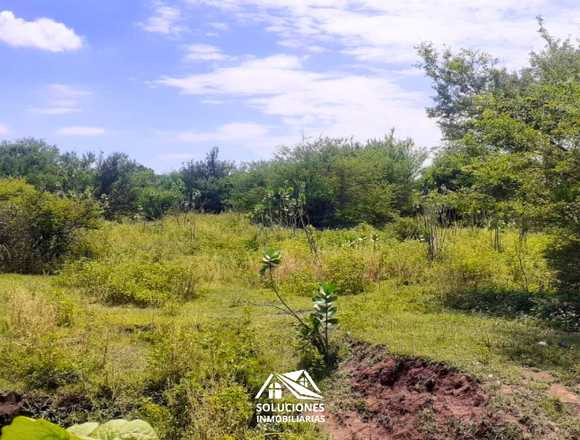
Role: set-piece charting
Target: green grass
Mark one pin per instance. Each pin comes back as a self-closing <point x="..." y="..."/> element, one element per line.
<point x="61" y="337"/>
<point x="480" y="344"/>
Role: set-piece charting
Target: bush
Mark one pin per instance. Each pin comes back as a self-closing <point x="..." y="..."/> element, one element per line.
<point x="154" y="202"/>
<point x="406" y="262"/>
<point x="33" y="354"/>
<point x="133" y="282"/>
<point x="206" y="377"/>
<point x="37" y="229"/>
<point x="212" y="411"/>
<point x="301" y="283"/>
<point x="407" y="228"/>
<point x="347" y="273"/>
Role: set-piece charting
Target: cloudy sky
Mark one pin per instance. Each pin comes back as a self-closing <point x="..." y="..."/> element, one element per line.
<point x="165" y="80"/>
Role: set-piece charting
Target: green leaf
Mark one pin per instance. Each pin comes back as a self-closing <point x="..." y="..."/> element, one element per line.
<point x="125" y="430"/>
<point x="84" y="430"/>
<point x="270" y="260"/>
<point x="24" y="428"/>
<point x="327" y="288"/>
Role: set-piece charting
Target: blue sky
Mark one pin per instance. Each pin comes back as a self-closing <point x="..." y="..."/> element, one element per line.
<point x="166" y="80"/>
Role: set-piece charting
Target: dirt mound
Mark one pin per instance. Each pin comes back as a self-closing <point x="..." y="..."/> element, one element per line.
<point x="409" y="398"/>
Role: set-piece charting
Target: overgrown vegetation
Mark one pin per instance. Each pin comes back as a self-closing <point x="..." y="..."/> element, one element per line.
<point x="164" y="310"/>
<point x="39" y="229"/>
<point x="191" y="366"/>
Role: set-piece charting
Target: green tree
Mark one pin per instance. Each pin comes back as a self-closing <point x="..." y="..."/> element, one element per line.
<point x="33" y="160"/>
<point x="38" y="229"/>
<point x="118" y="183"/>
<point x="205" y="183"/>
<point x="342" y="182"/>
<point x="518" y="157"/>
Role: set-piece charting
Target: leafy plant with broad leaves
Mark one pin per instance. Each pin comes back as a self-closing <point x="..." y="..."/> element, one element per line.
<point x="24" y="428"/>
<point x="321" y="320"/>
<point x="315" y="328"/>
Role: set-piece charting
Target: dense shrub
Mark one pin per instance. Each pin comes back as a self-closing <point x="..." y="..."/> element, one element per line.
<point x="336" y="182"/>
<point x="133" y="282"/>
<point x="38" y="229"/>
<point x="302" y="283"/>
<point x="348" y="274"/>
<point x="405" y="262"/>
<point x="207" y="378"/>
<point x="407" y="228"/>
<point x="560" y="310"/>
<point x="155" y="202"/>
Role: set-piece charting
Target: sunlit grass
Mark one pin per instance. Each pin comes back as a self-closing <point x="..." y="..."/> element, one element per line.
<point x="121" y="356"/>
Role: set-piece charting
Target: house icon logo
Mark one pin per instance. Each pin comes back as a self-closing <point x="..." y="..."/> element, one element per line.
<point x="298" y="383"/>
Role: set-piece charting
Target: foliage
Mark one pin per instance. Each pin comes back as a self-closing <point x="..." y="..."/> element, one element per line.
<point x="154" y="202"/>
<point x="191" y="368"/>
<point x="457" y="80"/>
<point x="347" y="274"/>
<point x="114" y="429"/>
<point x="38" y="229"/>
<point x="332" y="182"/>
<point x="515" y="156"/>
<point x="44" y="167"/>
<point x="29" y="429"/>
<point x="119" y="181"/>
<point x="205" y="184"/>
<point x="24" y="428"/>
<point x="134" y="282"/>
<point x="321" y="320"/>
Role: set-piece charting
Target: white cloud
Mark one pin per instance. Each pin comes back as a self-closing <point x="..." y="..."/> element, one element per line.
<point x="3" y="130"/>
<point x="219" y="26"/>
<point x="62" y="99"/>
<point x="42" y="33"/>
<point x="374" y="40"/>
<point x="204" y="52"/>
<point x="314" y="103"/>
<point x="165" y="20"/>
<point x="79" y="130"/>
<point x="386" y="31"/>
<point x="261" y="139"/>
<point x="229" y="132"/>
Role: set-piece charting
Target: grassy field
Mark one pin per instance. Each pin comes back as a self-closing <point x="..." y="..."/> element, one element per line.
<point x="170" y="321"/>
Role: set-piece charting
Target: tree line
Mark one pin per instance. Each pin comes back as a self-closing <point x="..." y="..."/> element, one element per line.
<point x="510" y="156"/>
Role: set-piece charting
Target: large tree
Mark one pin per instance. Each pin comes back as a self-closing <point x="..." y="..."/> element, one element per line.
<point x="516" y="153"/>
<point x="205" y="182"/>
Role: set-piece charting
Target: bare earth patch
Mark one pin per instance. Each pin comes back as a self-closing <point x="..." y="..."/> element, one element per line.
<point x="565" y="396"/>
<point x="409" y="398"/>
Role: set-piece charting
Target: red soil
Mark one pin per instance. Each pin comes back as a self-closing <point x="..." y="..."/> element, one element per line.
<point x="408" y="398"/>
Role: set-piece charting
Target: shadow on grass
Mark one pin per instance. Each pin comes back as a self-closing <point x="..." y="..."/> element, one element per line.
<point x="546" y="349"/>
<point x="564" y="258"/>
<point x="560" y="311"/>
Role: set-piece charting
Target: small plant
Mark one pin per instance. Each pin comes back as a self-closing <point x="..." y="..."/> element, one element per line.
<point x="321" y="320"/>
<point x="315" y="329"/>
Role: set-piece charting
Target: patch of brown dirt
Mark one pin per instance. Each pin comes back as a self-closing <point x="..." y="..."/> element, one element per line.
<point x="565" y="396"/>
<point x="410" y="398"/>
<point x="10" y="407"/>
